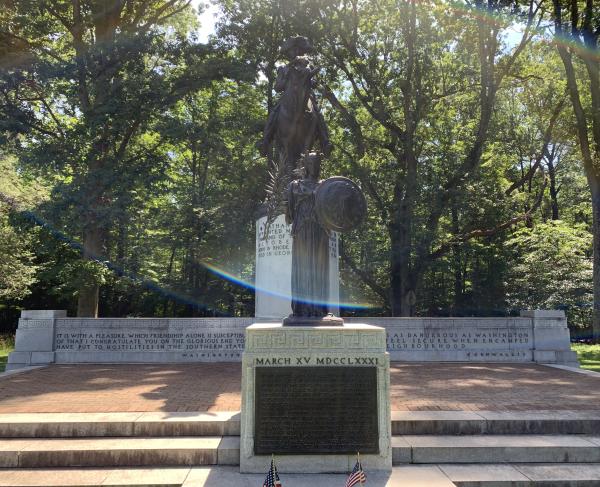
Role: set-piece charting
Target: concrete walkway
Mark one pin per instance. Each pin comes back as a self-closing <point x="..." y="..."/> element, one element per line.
<point x="413" y="476"/>
<point x="489" y="475"/>
<point x="216" y="387"/>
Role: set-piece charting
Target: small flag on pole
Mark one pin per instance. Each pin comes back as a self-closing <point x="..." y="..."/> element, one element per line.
<point x="272" y="479"/>
<point x="357" y="475"/>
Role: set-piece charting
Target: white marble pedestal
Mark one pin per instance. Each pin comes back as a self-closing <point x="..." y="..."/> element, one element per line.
<point x="273" y="285"/>
<point x="304" y="348"/>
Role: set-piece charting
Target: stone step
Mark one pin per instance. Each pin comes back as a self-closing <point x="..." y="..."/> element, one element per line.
<point x="73" y="425"/>
<point x="116" y="452"/>
<point x="495" y="422"/>
<point x="469" y="475"/>
<point x="496" y="449"/>
<point x="524" y="475"/>
<point x="187" y="451"/>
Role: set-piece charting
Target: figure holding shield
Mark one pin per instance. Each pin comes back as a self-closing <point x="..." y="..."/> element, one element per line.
<point x="314" y="208"/>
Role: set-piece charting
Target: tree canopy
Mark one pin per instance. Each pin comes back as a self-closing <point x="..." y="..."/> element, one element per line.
<point x="131" y="178"/>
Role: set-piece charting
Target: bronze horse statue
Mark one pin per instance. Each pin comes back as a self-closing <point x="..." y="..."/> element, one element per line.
<point x="295" y="121"/>
<point x="297" y="118"/>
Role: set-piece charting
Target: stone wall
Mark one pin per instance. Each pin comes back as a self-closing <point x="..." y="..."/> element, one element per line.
<point x="45" y="337"/>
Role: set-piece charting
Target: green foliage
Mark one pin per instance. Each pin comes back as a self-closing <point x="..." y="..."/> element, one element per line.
<point x="7" y="344"/>
<point x="17" y="268"/>
<point x="137" y="135"/>
<point x="552" y="268"/>
<point x="588" y="355"/>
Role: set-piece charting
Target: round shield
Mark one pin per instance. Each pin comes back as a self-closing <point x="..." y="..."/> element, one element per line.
<point x="340" y="204"/>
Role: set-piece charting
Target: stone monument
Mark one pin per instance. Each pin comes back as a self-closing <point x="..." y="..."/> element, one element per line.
<point x="315" y="391"/>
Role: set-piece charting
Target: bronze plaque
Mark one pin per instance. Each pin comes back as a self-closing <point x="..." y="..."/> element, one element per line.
<point x="304" y="410"/>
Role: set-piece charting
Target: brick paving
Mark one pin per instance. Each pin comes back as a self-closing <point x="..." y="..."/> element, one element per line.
<point x="216" y="387"/>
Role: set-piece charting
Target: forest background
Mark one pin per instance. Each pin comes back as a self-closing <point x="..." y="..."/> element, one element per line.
<point x="130" y="177"/>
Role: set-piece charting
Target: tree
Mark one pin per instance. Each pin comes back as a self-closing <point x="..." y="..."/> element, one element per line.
<point x="551" y="268"/>
<point x="577" y="31"/>
<point x="408" y="73"/>
<point x="84" y="79"/>
<point x="459" y="132"/>
<point x="18" y="267"/>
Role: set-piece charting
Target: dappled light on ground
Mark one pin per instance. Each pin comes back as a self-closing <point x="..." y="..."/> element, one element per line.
<point x="216" y="387"/>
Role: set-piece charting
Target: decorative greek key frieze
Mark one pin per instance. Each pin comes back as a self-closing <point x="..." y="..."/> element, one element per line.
<point x="285" y="339"/>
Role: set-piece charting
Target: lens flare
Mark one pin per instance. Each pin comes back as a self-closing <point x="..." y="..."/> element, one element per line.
<point x="177" y="296"/>
<point x="249" y="285"/>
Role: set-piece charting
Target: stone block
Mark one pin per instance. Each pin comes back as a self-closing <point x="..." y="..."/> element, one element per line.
<point x="228" y="451"/>
<point x="567" y="357"/>
<point x="42" y="358"/>
<point x="9" y="452"/>
<point x="562" y="474"/>
<point x="72" y="477"/>
<point x="19" y="358"/>
<point x="415" y="476"/>
<point x="66" y="425"/>
<point x="274" y="270"/>
<point x="149" y="340"/>
<point x="277" y="347"/>
<point x="401" y="451"/>
<point x="115" y="452"/>
<point x="503" y="449"/>
<point x="165" y="477"/>
<point x="543" y="313"/>
<point x="544" y="356"/>
<point x="488" y="475"/>
<point x="188" y="424"/>
<point x="181" y="340"/>
<point x="437" y="423"/>
<point x="35" y="336"/>
<point x="43" y="314"/>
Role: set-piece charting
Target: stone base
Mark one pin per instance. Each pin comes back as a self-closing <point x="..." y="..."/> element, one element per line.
<point x="273" y="284"/>
<point x="329" y="320"/>
<point x="272" y="348"/>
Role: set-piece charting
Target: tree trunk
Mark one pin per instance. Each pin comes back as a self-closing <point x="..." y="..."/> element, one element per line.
<point x="595" y="190"/>
<point x="457" y="264"/>
<point x="591" y="157"/>
<point x="553" y="188"/>
<point x="592" y="174"/>
<point x="89" y="292"/>
<point x="402" y="296"/>
<point x="405" y="190"/>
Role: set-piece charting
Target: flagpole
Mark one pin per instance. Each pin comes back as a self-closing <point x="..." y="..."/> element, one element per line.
<point x="361" y="469"/>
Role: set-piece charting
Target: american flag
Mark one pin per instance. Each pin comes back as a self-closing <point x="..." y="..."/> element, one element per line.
<point x="272" y="479"/>
<point x="357" y="475"/>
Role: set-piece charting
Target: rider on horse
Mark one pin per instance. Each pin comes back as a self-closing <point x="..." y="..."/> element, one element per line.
<point x="295" y="50"/>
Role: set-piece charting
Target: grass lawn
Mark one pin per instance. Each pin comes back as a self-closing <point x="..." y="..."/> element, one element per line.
<point x="7" y="343"/>
<point x="589" y="356"/>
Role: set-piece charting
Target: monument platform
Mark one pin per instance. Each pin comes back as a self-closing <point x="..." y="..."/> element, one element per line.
<point x="512" y="424"/>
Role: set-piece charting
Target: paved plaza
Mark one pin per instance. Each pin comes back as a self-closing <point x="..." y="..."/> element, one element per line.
<point x="216" y="387"/>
